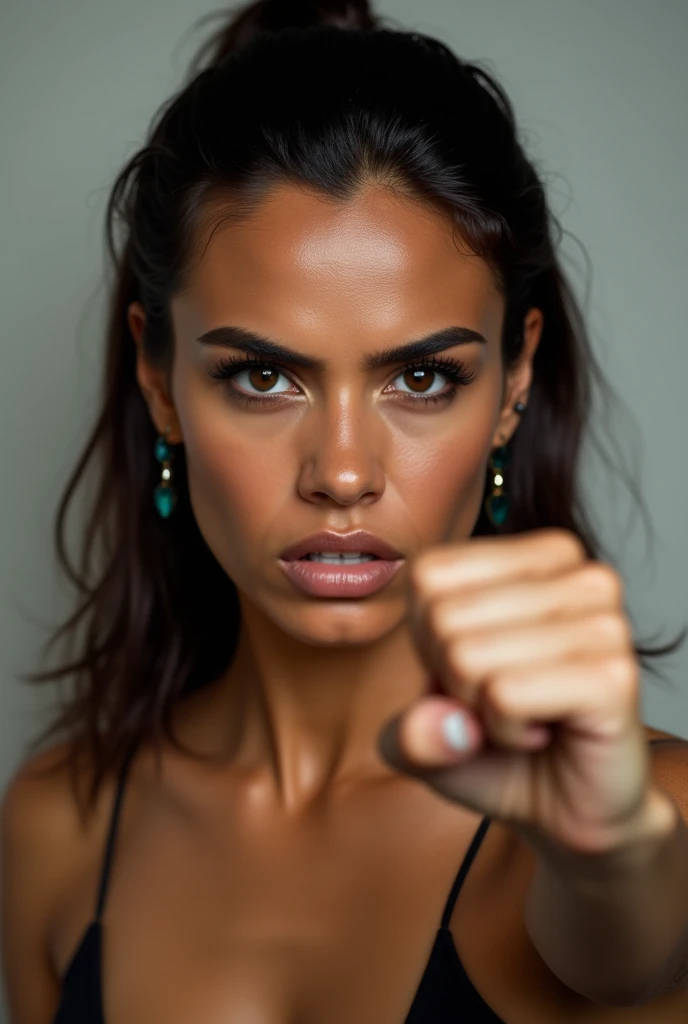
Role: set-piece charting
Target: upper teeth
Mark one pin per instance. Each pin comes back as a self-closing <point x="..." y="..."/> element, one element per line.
<point x="336" y="557"/>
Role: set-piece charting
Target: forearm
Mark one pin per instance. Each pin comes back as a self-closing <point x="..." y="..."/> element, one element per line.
<point x="615" y="927"/>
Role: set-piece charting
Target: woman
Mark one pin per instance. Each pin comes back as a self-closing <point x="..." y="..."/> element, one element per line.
<point x="346" y="634"/>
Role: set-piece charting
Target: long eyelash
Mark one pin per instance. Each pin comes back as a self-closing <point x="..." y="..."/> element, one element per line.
<point x="229" y="367"/>
<point x="454" y="370"/>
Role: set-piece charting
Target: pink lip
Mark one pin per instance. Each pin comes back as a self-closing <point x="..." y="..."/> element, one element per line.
<point x="341" y="581"/>
<point x="361" y="541"/>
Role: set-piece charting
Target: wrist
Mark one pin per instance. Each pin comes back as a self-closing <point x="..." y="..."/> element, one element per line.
<point x="626" y="847"/>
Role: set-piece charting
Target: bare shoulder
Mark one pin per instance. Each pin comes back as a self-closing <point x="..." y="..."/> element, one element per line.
<point x="36" y="795"/>
<point x="44" y="829"/>
<point x="670" y="767"/>
<point x="39" y="809"/>
<point x="658" y="734"/>
<point x="45" y="843"/>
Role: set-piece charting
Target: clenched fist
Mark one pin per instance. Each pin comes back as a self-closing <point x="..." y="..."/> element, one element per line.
<point x="533" y="718"/>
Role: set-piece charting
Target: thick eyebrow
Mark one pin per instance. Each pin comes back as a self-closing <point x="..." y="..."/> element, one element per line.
<point x="256" y="344"/>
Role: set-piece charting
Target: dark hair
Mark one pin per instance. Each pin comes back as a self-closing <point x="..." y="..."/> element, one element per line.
<point x="322" y="95"/>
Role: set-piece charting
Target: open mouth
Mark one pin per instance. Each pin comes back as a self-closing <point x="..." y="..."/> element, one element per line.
<point x="335" y="558"/>
<point x="336" y="574"/>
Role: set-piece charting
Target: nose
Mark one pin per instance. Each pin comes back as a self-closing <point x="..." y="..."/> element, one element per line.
<point x="343" y="458"/>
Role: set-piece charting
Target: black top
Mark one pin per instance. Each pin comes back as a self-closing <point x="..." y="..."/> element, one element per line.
<point x="445" y="994"/>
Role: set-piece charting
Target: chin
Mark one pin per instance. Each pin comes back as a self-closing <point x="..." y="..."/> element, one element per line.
<point x="332" y="623"/>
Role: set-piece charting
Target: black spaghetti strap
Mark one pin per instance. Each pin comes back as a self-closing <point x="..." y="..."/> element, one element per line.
<point x="114" y="821"/>
<point x="463" y="871"/>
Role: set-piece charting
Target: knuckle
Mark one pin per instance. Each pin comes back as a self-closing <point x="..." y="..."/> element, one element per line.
<point x="464" y="657"/>
<point x="436" y="616"/>
<point x="430" y="559"/>
<point x="566" y="541"/>
<point x="613" y="627"/>
<point x="621" y="672"/>
<point x="604" y="580"/>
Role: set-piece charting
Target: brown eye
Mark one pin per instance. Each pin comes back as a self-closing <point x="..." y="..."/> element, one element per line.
<point x="419" y="379"/>
<point x="435" y="381"/>
<point x="262" y="378"/>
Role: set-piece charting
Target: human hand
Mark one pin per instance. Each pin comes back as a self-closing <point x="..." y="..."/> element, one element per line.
<point x="527" y="641"/>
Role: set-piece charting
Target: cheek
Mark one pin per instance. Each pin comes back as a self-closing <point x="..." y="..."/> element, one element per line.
<point x="228" y="479"/>
<point x="442" y="474"/>
<point x="443" y="482"/>
<point x="238" y="483"/>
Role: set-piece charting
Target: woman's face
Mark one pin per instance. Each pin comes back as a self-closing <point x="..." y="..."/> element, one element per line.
<point x="283" y="450"/>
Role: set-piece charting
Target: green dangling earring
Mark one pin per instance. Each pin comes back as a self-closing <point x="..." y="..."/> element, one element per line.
<point x="165" y="495"/>
<point x="497" y="503"/>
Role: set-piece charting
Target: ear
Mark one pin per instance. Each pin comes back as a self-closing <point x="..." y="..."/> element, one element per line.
<point x="519" y="378"/>
<point x="152" y="380"/>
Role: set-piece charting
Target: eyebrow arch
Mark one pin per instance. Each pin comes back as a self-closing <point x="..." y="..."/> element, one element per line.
<point x="256" y="344"/>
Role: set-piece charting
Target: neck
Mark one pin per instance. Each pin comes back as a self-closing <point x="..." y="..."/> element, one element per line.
<point x="303" y="721"/>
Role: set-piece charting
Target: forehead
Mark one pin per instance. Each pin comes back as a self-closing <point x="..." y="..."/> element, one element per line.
<point x="375" y="261"/>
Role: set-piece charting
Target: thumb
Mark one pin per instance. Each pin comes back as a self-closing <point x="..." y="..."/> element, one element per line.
<point x="435" y="732"/>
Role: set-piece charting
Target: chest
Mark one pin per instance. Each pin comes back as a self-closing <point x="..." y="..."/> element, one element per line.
<point x="209" y="921"/>
<point x="331" y="921"/>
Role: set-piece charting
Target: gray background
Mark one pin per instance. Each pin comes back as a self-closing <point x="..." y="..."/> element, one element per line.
<point x="600" y="89"/>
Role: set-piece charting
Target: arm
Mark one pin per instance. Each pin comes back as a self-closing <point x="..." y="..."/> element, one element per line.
<point x="615" y="929"/>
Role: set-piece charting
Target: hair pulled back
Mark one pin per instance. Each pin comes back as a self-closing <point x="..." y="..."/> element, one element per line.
<point x="321" y="94"/>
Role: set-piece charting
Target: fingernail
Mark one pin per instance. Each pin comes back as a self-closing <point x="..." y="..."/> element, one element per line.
<point x="455" y="731"/>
